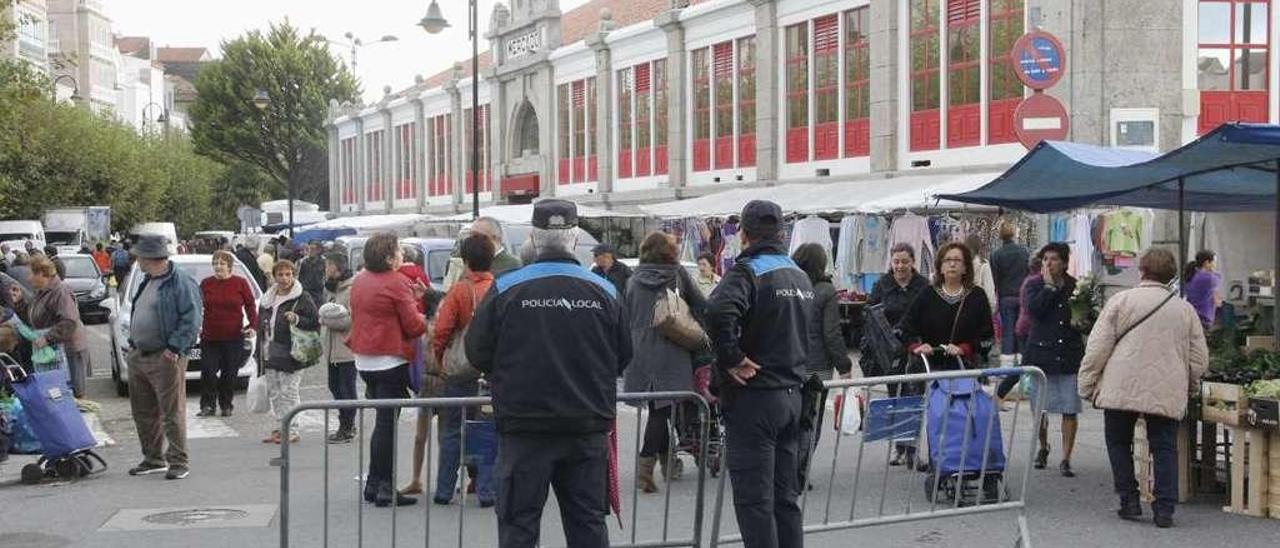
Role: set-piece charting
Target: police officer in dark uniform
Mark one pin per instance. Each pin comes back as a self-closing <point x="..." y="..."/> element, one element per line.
<point x="757" y="320"/>
<point x="552" y="339"/>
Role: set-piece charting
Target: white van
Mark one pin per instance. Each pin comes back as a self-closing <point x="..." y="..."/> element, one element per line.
<point x="17" y="233"/>
<point x="168" y="230"/>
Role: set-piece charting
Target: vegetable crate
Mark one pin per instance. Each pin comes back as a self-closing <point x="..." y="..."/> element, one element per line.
<point x="1144" y="465"/>
<point x="1252" y="473"/>
<point x="1223" y="403"/>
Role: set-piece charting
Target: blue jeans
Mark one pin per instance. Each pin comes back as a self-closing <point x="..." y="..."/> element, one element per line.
<point x="451" y="445"/>
<point x="1009" y="309"/>
<point x="342" y="384"/>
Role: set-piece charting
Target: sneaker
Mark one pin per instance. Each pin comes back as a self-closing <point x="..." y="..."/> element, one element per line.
<point x="206" y="412"/>
<point x="341" y="436"/>
<point x="1130" y="508"/>
<point x="147" y="468"/>
<point x="177" y="473"/>
<point x="226" y="411"/>
<point x="1065" y="468"/>
<point x="1163" y="521"/>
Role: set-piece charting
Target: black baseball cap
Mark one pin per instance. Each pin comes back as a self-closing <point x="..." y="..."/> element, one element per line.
<point x="761" y="219"/>
<point x="602" y="249"/>
<point x="555" y="215"/>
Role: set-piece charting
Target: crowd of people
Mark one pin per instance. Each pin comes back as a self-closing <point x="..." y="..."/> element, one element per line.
<point x="548" y="339"/>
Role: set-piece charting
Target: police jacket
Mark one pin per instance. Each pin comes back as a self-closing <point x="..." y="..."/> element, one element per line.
<point x="551" y="338"/>
<point x="761" y="310"/>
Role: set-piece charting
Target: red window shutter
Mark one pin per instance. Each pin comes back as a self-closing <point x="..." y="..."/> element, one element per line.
<point x="723" y="53"/>
<point x="642" y="78"/>
<point x="961" y="11"/>
<point x="826" y="36"/>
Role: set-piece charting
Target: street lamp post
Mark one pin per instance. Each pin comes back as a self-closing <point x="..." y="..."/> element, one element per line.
<point x="433" y="23"/>
<point x="163" y="118"/>
<point x="354" y="43"/>
<point x="262" y="100"/>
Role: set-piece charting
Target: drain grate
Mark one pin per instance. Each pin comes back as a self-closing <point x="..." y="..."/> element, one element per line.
<point x="196" y="516"/>
<point x="230" y="516"/>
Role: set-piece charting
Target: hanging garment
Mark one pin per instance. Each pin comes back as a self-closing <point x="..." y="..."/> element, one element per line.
<point x="1123" y="232"/>
<point x="1059" y="228"/>
<point x="1081" y="240"/>
<point x="847" y="252"/>
<point x="732" y="246"/>
<point x="874" y="247"/>
<point x="812" y="230"/>
<point x="914" y="230"/>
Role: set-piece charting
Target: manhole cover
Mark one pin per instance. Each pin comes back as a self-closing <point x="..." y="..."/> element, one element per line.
<point x="196" y="516"/>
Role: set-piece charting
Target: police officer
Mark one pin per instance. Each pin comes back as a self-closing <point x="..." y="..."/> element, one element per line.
<point x="757" y="323"/>
<point x="551" y="338"/>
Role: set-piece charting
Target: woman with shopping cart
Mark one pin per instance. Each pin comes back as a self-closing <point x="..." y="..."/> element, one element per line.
<point x="892" y="296"/>
<point x="952" y="317"/>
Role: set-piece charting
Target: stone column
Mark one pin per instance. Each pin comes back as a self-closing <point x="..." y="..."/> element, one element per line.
<point x="335" y="169"/>
<point x="885" y="94"/>
<point x="386" y="165"/>
<point x="420" y="133"/>
<point x="456" y="138"/>
<point x="602" y="121"/>
<point x="677" y="99"/>
<point x="767" y="89"/>
<point x="362" y="168"/>
<point x="499" y="116"/>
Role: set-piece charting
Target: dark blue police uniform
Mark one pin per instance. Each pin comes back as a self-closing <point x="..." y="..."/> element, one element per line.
<point x="760" y="311"/>
<point x="552" y="339"/>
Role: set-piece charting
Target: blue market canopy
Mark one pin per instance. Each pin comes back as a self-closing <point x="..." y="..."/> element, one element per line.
<point x="1232" y="168"/>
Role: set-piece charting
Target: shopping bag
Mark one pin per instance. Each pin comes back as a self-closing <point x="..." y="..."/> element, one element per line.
<point x="305" y="345"/>
<point x="848" y="418"/>
<point x="14" y="424"/>
<point x="257" y="397"/>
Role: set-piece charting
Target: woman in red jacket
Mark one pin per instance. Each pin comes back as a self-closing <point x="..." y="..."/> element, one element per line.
<point x="228" y="300"/>
<point x="384" y="322"/>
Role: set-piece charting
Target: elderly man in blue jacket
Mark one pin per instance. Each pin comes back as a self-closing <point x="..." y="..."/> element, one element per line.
<point x="166" y="319"/>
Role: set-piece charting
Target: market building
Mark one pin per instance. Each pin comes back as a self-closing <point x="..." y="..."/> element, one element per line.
<point x="619" y="103"/>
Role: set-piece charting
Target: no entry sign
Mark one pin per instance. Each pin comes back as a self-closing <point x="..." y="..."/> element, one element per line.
<point x="1039" y="60"/>
<point x="1040" y="118"/>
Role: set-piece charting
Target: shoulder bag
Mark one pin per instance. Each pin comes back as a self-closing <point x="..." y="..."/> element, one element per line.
<point x="672" y="318"/>
<point x="457" y="368"/>
<point x="304" y="345"/>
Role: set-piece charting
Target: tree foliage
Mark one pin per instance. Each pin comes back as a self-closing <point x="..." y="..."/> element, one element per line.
<point x="58" y="155"/>
<point x="286" y="141"/>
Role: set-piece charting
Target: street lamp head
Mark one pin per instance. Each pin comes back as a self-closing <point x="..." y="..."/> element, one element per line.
<point x="164" y="117"/>
<point x="434" y="22"/>
<point x="261" y="99"/>
<point x="389" y="38"/>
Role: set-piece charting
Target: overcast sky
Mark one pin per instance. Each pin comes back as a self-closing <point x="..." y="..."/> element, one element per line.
<point x="207" y="23"/>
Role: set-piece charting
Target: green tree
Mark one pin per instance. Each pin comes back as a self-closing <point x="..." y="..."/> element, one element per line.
<point x="286" y="141"/>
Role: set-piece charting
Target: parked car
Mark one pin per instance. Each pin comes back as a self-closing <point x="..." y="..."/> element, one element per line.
<point x="199" y="267"/>
<point x="436" y="252"/>
<point x="88" y="284"/>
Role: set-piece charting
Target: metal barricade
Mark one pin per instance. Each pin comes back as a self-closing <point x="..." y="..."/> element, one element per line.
<point x="893" y="417"/>
<point x="435" y="405"/>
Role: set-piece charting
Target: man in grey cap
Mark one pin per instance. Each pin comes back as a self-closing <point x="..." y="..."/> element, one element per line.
<point x="552" y="339"/>
<point x="757" y="320"/>
<point x="165" y="321"/>
<point x="609" y="267"/>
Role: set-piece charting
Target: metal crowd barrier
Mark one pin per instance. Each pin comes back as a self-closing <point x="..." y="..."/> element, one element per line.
<point x="893" y="416"/>
<point x="703" y="421"/>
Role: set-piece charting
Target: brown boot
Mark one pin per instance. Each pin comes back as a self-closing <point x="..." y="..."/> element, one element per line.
<point x="645" y="478"/>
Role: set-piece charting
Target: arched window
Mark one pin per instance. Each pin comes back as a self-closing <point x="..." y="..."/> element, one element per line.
<point x="527" y="128"/>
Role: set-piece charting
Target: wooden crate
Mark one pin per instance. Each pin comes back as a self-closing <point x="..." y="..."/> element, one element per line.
<point x="1223" y="403"/>
<point x="1250" y="472"/>
<point x="1144" y="464"/>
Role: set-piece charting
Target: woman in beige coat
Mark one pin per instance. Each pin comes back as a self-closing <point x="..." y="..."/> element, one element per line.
<point x="1145" y="355"/>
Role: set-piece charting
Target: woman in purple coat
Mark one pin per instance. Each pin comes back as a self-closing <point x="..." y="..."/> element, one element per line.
<point x="1201" y="281"/>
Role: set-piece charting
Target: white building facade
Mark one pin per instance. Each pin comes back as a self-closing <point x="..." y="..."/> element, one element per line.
<point x="674" y="100"/>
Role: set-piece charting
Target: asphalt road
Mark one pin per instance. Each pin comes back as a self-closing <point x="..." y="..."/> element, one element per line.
<point x="236" y="495"/>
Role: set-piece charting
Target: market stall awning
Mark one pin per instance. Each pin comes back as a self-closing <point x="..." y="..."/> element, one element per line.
<point x="523" y="214"/>
<point x="868" y="196"/>
<point x="344" y="226"/>
<point x="1232" y="168"/>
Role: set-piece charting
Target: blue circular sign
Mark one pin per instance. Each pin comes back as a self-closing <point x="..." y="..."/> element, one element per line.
<point x="1038" y="59"/>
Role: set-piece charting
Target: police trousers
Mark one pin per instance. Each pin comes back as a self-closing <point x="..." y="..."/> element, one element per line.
<point x="763" y="431"/>
<point x="576" y="466"/>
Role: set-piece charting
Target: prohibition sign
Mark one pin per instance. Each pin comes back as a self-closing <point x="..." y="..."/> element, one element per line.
<point x="1038" y="60"/>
